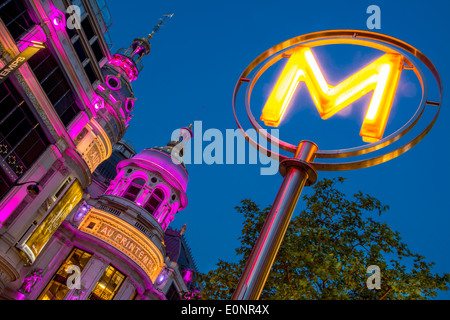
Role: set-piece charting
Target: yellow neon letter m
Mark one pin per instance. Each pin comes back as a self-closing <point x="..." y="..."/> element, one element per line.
<point x="381" y="76"/>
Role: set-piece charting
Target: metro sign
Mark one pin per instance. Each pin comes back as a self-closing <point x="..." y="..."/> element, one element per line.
<point x="300" y="168"/>
<point x="381" y="77"/>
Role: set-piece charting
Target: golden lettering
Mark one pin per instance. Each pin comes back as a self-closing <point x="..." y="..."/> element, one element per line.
<point x="104" y="230"/>
<point x="127" y="242"/>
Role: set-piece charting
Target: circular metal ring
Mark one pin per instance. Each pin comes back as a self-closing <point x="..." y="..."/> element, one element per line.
<point x="364" y="38"/>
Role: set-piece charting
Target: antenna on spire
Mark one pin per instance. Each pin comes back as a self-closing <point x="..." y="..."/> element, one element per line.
<point x="199" y="113"/>
<point x="161" y="22"/>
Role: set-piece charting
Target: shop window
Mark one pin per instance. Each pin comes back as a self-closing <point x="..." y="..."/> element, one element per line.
<point x="16" y="17"/>
<point x="91" y="39"/>
<point x="154" y="201"/>
<point x="97" y="50"/>
<point x="133" y="189"/>
<point x="87" y="28"/>
<point x="108" y="285"/>
<point x="54" y="84"/>
<point x="79" y="50"/>
<point x="90" y="72"/>
<point x="22" y="139"/>
<point x="57" y="288"/>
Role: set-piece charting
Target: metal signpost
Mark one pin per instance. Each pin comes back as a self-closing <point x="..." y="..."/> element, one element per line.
<point x="381" y="76"/>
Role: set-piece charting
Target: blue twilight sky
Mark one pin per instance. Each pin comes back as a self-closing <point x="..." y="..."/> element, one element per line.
<point x="196" y="60"/>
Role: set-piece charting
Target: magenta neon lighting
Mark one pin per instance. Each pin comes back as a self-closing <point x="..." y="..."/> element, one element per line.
<point x="129" y="104"/>
<point x="58" y="19"/>
<point x="188" y="276"/>
<point x="35" y="34"/>
<point x="117" y="87"/>
<point x="126" y="65"/>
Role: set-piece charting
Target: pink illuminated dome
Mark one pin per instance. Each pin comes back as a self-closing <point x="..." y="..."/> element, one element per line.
<point x="160" y="159"/>
<point x="155" y="179"/>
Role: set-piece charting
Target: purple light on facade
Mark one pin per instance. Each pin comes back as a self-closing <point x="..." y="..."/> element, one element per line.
<point x="126" y="65"/>
<point x="112" y="98"/>
<point x="138" y="50"/>
<point x="20" y="296"/>
<point x="161" y="278"/>
<point x="122" y="113"/>
<point x="129" y="104"/>
<point x="10" y="206"/>
<point x="79" y="215"/>
<point x="30" y="281"/>
<point x="112" y="82"/>
<point x="81" y="212"/>
<point x="187" y="276"/>
<point x="98" y="103"/>
<point x="58" y="19"/>
<point x="163" y="163"/>
<point x="101" y="88"/>
<point x="35" y="34"/>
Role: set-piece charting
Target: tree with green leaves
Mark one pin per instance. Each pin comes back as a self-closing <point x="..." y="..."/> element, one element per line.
<point x="326" y="252"/>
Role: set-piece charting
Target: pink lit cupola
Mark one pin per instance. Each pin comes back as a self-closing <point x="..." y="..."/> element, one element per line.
<point x="155" y="180"/>
<point x="115" y="94"/>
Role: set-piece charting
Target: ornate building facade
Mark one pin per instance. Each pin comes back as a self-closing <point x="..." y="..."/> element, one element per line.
<point x="67" y="230"/>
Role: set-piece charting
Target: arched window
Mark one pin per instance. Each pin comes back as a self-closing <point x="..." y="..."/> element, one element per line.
<point x="154" y="201"/>
<point x="133" y="189"/>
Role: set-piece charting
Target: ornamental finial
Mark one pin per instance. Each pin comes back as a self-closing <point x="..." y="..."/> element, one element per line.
<point x="161" y="22"/>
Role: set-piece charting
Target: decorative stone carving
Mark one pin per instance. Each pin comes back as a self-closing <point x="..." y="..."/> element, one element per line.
<point x="30" y="281"/>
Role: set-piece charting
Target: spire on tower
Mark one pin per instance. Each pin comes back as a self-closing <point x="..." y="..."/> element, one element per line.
<point x="161" y="22"/>
<point x="129" y="60"/>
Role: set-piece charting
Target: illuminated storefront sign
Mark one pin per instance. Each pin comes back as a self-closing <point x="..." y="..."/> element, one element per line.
<point x="381" y="76"/>
<point x="40" y="236"/>
<point x="126" y="239"/>
<point x="20" y="59"/>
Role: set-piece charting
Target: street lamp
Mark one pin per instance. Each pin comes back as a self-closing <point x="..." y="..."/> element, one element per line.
<point x="32" y="189"/>
<point x="301" y="169"/>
